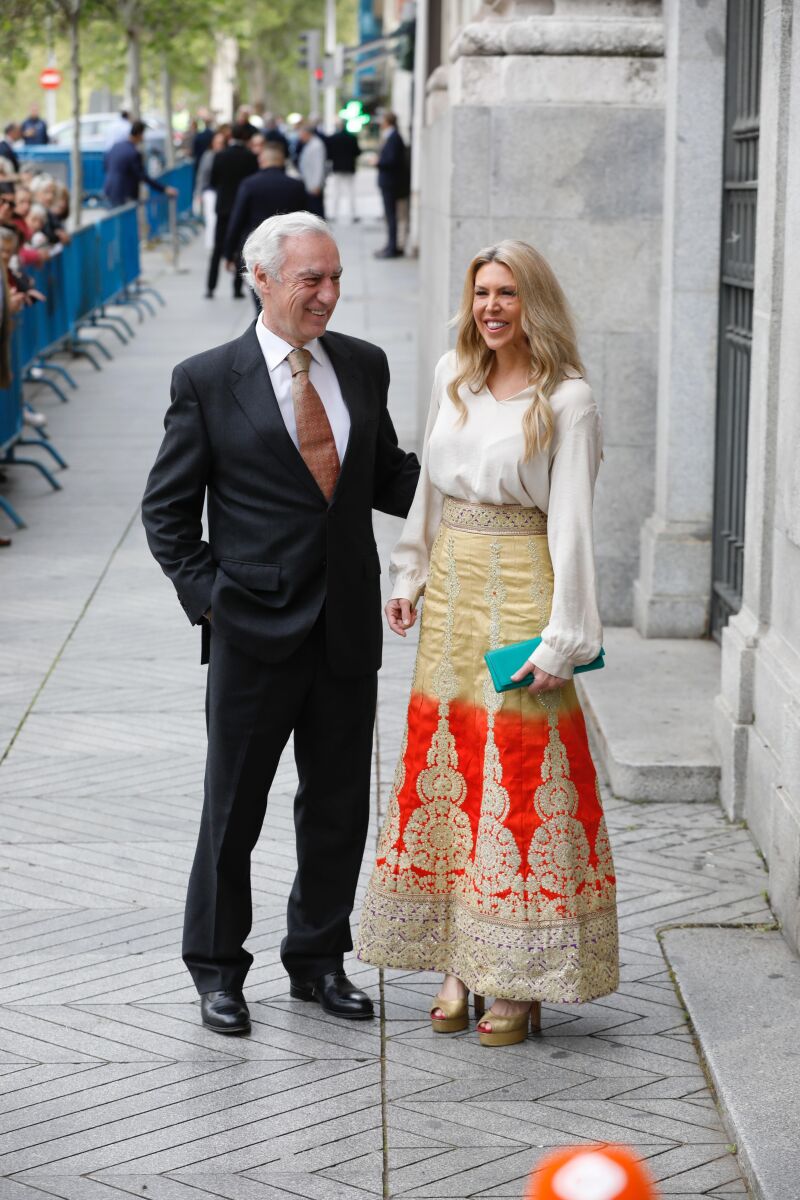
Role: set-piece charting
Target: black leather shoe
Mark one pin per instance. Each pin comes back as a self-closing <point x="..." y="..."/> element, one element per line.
<point x="337" y="995"/>
<point x="225" y="1012"/>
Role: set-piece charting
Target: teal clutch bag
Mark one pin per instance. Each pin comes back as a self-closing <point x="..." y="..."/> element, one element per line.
<point x="507" y="660"/>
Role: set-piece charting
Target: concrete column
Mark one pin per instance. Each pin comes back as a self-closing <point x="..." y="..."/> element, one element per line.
<point x="672" y="593"/>
<point x="547" y="125"/>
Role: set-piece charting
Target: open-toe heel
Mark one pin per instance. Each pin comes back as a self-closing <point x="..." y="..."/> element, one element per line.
<point x="456" y="1015"/>
<point x="508" y="1031"/>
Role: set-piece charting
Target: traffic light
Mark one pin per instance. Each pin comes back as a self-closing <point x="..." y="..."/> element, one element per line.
<point x="308" y="49"/>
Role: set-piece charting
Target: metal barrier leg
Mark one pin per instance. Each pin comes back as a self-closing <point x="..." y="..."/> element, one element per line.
<point x="150" y="291"/>
<point x="12" y="461"/>
<point x="77" y="350"/>
<point x="44" y="446"/>
<point x="44" y="364"/>
<point x="95" y="323"/>
<point x="92" y="342"/>
<point x="12" y="513"/>
<point x="34" y="375"/>
<point x="116" y="317"/>
<point x="127" y="302"/>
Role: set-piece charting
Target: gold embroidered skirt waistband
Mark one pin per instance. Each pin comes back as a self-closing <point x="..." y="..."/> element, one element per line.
<point x="493" y="518"/>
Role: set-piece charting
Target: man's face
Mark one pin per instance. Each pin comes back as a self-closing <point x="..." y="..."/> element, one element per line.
<point x="299" y="305"/>
<point x="6" y="208"/>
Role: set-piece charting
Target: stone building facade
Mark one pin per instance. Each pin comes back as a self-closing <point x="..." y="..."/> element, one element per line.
<point x="651" y="152"/>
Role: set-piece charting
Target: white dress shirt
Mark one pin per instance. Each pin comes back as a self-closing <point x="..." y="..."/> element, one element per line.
<point x="321" y="374"/>
<point x="482" y="460"/>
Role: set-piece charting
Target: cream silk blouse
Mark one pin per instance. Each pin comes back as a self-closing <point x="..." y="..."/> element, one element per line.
<point x="482" y="461"/>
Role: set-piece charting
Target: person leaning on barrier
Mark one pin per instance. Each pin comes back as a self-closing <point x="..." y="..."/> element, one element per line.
<point x="125" y="170"/>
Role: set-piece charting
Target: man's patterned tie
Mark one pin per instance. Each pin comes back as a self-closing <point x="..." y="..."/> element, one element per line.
<point x="317" y="444"/>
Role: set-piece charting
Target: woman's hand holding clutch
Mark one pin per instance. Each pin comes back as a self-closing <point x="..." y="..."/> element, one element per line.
<point x="400" y="616"/>
<point x="542" y="682"/>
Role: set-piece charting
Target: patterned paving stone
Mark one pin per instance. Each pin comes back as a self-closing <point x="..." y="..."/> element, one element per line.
<point x="109" y="1085"/>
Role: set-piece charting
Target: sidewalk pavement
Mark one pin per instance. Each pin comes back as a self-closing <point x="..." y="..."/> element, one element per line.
<point x="110" y="1085"/>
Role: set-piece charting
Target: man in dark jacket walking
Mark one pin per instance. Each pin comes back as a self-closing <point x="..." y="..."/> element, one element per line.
<point x="266" y="194"/>
<point x="125" y="170"/>
<point x="343" y="152"/>
<point x="231" y="167"/>
<point x="392" y="180"/>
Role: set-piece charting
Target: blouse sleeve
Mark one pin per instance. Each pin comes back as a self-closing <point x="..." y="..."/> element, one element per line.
<point x="408" y="566"/>
<point x="574" y="634"/>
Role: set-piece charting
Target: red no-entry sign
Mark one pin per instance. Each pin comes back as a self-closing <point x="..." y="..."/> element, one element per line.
<point x="49" y="78"/>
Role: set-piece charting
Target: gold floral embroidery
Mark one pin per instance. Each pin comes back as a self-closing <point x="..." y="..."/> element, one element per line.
<point x="438" y="835"/>
<point x="496" y="864"/>
<point x="492" y="518"/>
<point x="541" y="581"/>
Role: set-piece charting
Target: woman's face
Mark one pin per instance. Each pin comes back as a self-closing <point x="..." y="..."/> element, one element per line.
<point x="496" y="307"/>
<point x="45" y="195"/>
<point x="22" y="201"/>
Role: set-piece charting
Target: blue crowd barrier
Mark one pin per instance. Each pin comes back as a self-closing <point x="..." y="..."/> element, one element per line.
<point x="57" y="161"/>
<point x="99" y="266"/>
<point x="157" y="205"/>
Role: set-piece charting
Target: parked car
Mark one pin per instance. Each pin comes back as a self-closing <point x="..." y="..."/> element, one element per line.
<point x="96" y="128"/>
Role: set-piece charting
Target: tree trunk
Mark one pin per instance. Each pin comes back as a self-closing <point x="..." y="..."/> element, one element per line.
<point x="169" y="146"/>
<point x="133" y="74"/>
<point x="76" y="197"/>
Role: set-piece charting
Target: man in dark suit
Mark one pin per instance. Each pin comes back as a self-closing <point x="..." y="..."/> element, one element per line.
<point x="285" y="434"/>
<point x="231" y="166"/>
<point x="269" y="192"/>
<point x="125" y="171"/>
<point x="11" y="134"/>
<point x="393" y="181"/>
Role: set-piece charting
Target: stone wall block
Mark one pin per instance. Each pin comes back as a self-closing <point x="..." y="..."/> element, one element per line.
<point x="732" y="740"/>
<point x="592" y="163"/>
<point x="629" y="388"/>
<point x="472" y="157"/>
<point x="784" y="862"/>
<point x="638" y="82"/>
<point x="737" y="678"/>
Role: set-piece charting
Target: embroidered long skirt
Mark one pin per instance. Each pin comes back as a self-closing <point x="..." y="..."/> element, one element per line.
<point x="494" y="862"/>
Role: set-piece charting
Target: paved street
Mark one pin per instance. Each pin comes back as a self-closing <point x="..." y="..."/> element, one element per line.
<point x="109" y="1086"/>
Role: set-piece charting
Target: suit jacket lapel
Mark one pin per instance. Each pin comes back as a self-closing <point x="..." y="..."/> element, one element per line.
<point x="253" y="390"/>
<point x="351" y="382"/>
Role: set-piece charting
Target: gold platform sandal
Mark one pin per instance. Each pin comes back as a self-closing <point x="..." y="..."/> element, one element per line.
<point x="456" y="1013"/>
<point x="507" y="1031"/>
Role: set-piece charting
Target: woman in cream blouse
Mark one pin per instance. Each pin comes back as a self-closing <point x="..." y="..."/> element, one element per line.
<point x="494" y="865"/>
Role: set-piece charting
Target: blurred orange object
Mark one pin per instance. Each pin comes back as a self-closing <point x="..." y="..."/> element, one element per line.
<point x="592" y="1173"/>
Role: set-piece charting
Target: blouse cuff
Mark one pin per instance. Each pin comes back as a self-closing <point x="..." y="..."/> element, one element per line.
<point x="554" y="664"/>
<point x="405" y="587"/>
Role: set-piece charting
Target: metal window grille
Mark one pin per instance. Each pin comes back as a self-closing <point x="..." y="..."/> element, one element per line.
<point x="740" y="193"/>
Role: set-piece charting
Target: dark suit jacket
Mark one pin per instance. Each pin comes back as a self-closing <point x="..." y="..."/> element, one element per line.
<point x="276" y="550"/>
<point x="393" y="175"/>
<point x="343" y="151"/>
<point x="124" y="167"/>
<point x="268" y="192"/>
<point x="230" y="167"/>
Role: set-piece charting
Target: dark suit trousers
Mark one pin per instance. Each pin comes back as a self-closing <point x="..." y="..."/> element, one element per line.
<point x="220" y="233"/>
<point x="390" y="209"/>
<point x="252" y="709"/>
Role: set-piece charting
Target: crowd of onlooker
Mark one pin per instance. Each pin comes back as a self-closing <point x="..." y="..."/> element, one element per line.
<point x="34" y="208"/>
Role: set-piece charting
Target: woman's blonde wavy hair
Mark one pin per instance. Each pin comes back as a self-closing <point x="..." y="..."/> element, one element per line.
<point x="548" y="326"/>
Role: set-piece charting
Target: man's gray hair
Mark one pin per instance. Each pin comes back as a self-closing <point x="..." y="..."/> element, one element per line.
<point x="265" y="246"/>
